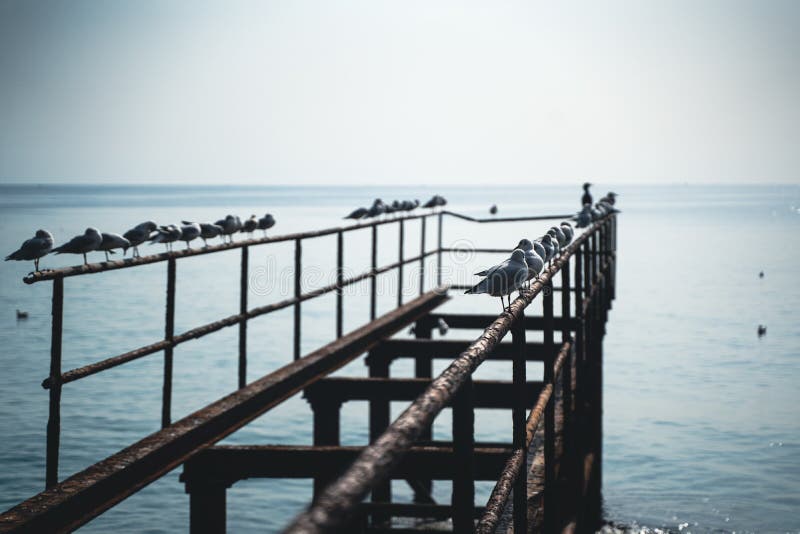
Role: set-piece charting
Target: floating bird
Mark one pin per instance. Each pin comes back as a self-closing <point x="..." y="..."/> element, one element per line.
<point x="190" y="232"/>
<point x="532" y="259"/>
<point x="760" y="274"/>
<point x="503" y="278"/>
<point x="266" y="222"/>
<point x="587" y="196"/>
<point x="139" y="234"/>
<point x="442" y="326"/>
<point x="250" y="225"/>
<point x="34" y="248"/>
<point x="82" y="244"/>
<point x="112" y="241"/>
<point x="22" y="314"/>
<point x="167" y="235"/>
<point x="493" y="209"/>
<point x="762" y="330"/>
<point x="358" y="213"/>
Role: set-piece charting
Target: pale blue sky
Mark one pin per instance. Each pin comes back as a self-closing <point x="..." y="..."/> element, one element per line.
<point x="332" y="92"/>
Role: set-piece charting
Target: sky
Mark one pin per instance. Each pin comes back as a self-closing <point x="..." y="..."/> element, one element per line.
<point x="399" y="92"/>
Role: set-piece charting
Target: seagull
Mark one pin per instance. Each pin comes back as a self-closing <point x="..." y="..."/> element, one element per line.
<point x="190" y="232"/>
<point x="207" y="230"/>
<point x="532" y="259"/>
<point x="538" y="248"/>
<point x="566" y="227"/>
<point x="167" y="235"/>
<point x="112" y="241"/>
<point x="230" y="224"/>
<point x="34" y="248"/>
<point x="584" y="217"/>
<point x="493" y="209"/>
<point x="250" y="225"/>
<point x="503" y="278"/>
<point x="378" y="208"/>
<point x="442" y="326"/>
<point x="266" y="222"/>
<point x="558" y="234"/>
<point x="139" y="234"/>
<point x="436" y="200"/>
<point x="587" y="196"/>
<point x="358" y="213"/>
<point x="89" y="241"/>
<point x="549" y="247"/>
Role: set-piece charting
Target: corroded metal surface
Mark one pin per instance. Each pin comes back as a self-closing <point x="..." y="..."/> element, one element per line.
<point x="84" y="495"/>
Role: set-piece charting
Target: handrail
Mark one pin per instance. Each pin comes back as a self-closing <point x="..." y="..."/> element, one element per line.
<point x="334" y="506"/>
<point x="91" y="268"/>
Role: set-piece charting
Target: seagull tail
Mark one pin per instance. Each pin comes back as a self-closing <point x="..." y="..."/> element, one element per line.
<point x="479" y="288"/>
<point x="482" y="273"/>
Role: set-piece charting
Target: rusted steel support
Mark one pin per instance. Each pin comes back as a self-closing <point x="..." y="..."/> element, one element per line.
<point x="493" y="394"/>
<point x="194" y="333"/>
<point x="54" y="416"/>
<point x="566" y="308"/>
<point x="519" y="374"/>
<point x="336" y="506"/>
<point x="550" y="512"/>
<point x="463" y="497"/>
<point x="339" y="283"/>
<point x="88" y="493"/>
<point x="379" y="419"/>
<point x="243" y="289"/>
<point x="515" y="466"/>
<point x="326" y="431"/>
<point x="207" y="506"/>
<point x="373" y="288"/>
<point x="298" y="273"/>
<point x="423" y="232"/>
<point x="169" y="332"/>
<point x="401" y="244"/>
<point x="423" y="368"/>
<point x="439" y="251"/>
<point x="231" y="463"/>
<point x="395" y="349"/>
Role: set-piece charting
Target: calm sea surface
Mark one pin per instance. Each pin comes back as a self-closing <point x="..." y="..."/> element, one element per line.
<point x="702" y="418"/>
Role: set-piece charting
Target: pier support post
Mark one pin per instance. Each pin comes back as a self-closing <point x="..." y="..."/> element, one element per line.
<point x="550" y="511"/>
<point x="463" y="498"/>
<point x="243" y="323"/>
<point x="423" y="368"/>
<point x="169" y="333"/>
<point x="379" y="419"/>
<point x="207" y="505"/>
<point x="326" y="430"/>
<point x="519" y="378"/>
<point x="54" y="417"/>
<point x="298" y="271"/>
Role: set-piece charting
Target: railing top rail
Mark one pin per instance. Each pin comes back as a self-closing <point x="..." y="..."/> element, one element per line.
<point x="91" y="268"/>
<point x="338" y="501"/>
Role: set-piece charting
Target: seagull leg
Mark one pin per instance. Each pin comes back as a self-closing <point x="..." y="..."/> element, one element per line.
<point x="85" y="261"/>
<point x="106" y="253"/>
<point x="36" y="265"/>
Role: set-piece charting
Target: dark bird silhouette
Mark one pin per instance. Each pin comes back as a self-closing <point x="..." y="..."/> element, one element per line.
<point x="357" y="213"/>
<point x="81" y="244"/>
<point x="762" y="330"/>
<point x="22" y="314"/>
<point x="493" y="209"/>
<point x="139" y="234"/>
<point x="266" y="222"/>
<point x="761" y="274"/>
<point x="587" y="196"/>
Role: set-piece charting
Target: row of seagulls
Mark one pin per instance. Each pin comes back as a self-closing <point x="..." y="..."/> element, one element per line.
<point x="92" y="239"/>
<point x="589" y="213"/>
<point x="525" y="263"/>
<point x="379" y="207"/>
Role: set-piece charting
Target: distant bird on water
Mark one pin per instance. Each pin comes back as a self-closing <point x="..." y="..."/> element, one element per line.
<point x="34" y="248"/>
<point x="266" y="222"/>
<point x="82" y="244"/>
<point x="22" y="314"/>
<point x="762" y="330"/>
<point x="139" y="234"/>
<point x="587" y="196"/>
<point x="504" y="278"/>
<point x="760" y="274"/>
<point x="493" y="209"/>
<point x="113" y="241"/>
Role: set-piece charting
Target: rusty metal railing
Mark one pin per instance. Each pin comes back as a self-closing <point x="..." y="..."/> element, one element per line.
<point x="334" y="508"/>
<point x="57" y="377"/>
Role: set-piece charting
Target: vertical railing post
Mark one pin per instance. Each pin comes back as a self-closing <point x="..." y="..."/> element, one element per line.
<point x="373" y="297"/>
<point x="243" y="322"/>
<point x="339" y="282"/>
<point x="519" y="378"/>
<point x="550" y="512"/>
<point x="566" y="294"/>
<point x="400" y="267"/>
<point x="439" y="252"/>
<point x="298" y="272"/>
<point x="54" y="416"/>
<point x="422" y="256"/>
<point x="379" y="419"/>
<point x="423" y="368"/>
<point x="169" y="332"/>
<point x="326" y="431"/>
<point x="463" y="499"/>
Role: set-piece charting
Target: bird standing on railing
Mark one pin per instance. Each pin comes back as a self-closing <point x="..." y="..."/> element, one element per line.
<point x="378" y="208"/>
<point x="584" y="217"/>
<point x="534" y="262"/>
<point x="569" y="233"/>
<point x="266" y="222"/>
<point x="558" y="234"/>
<point x="34" y="248"/>
<point x="587" y="196"/>
<point x="82" y="244"/>
<point x="504" y="278"/>
<point x="167" y="235"/>
<point x="250" y="225"/>
<point x="139" y="234"/>
<point x="549" y="247"/>
<point x="230" y="225"/>
<point x="113" y="241"/>
<point x="190" y="232"/>
<point x="358" y="213"/>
